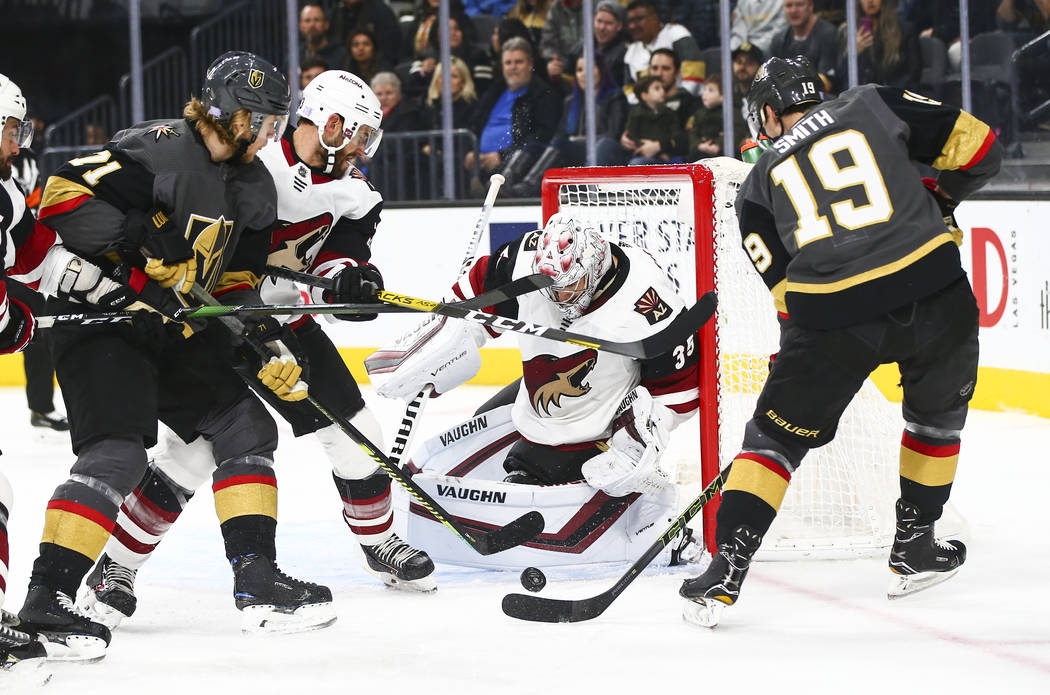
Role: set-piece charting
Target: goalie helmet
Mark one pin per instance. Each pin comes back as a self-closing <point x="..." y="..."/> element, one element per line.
<point x="13" y="105"/>
<point x="242" y="80"/>
<point x="780" y="83"/>
<point x="576" y="257"/>
<point x="346" y="95"/>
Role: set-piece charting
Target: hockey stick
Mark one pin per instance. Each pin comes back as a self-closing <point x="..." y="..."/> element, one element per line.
<point x="495" y="296"/>
<point x="414" y="408"/>
<point x="552" y="610"/>
<point x="518" y="531"/>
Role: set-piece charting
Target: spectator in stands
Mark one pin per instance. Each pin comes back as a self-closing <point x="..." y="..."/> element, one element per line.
<point x="517" y="116"/>
<point x="464" y="96"/>
<point x="569" y="146"/>
<point x="833" y="11"/>
<point x="663" y="65"/>
<point x="746" y="60"/>
<point x="399" y="115"/>
<point x="940" y="19"/>
<point x="610" y="41"/>
<point x="700" y="17"/>
<point x="757" y="22"/>
<point x="648" y="34"/>
<point x="95" y="134"/>
<point x="653" y="126"/>
<point x="310" y="68"/>
<point x="705" y="127"/>
<point x="564" y="31"/>
<point x="533" y="14"/>
<point x="365" y="60"/>
<point x="315" y="43"/>
<point x="810" y="36"/>
<point x="486" y="70"/>
<point x="887" y="47"/>
<point x="423" y="34"/>
<point x="1027" y="17"/>
<point x="421" y="72"/>
<point x="372" y="16"/>
<point x="493" y="8"/>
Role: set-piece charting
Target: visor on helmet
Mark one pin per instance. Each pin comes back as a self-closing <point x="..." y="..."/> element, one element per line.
<point x="365" y="139"/>
<point x="267" y="126"/>
<point x="21" y="134"/>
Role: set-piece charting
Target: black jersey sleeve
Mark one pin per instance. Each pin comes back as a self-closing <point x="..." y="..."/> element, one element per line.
<point x="962" y="147"/>
<point x="761" y="242"/>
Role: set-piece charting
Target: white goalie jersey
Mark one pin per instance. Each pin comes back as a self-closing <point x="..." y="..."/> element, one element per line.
<point x="325" y="223"/>
<point x="571" y="394"/>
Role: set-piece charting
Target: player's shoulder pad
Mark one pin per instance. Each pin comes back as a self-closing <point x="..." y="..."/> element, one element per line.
<point x="159" y="145"/>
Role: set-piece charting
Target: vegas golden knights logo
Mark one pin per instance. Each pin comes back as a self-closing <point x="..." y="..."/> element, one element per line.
<point x="209" y="238"/>
<point x="255" y="79"/>
<point x="548" y="378"/>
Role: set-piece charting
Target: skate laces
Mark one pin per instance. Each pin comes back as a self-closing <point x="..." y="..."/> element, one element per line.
<point x="66" y="603"/>
<point x="944" y="545"/>
<point x="116" y="574"/>
<point x="395" y="551"/>
<point x="279" y="574"/>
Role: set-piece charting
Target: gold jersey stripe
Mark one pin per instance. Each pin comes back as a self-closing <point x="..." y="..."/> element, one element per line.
<point x="246" y="500"/>
<point x="965" y="140"/>
<point x="931" y="471"/>
<point x="874" y="273"/>
<point x="74" y="532"/>
<point x="778" y="292"/>
<point x="751" y="476"/>
<point x="232" y="279"/>
<point x="58" y="190"/>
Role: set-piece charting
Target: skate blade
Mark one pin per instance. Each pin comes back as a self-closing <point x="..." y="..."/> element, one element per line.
<point x="24" y="673"/>
<point x="269" y="620"/>
<point x="89" y="605"/>
<point x="423" y="585"/>
<point x="81" y="649"/>
<point x="704" y="612"/>
<point x="907" y="584"/>
<point x="8" y="619"/>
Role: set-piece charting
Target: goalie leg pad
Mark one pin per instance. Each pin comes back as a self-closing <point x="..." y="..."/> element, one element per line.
<point x="347" y="457"/>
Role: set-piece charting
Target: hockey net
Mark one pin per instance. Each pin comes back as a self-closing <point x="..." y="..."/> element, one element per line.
<point x="840" y="502"/>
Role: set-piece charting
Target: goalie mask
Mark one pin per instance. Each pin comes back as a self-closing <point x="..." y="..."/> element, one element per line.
<point x="346" y="95"/>
<point x="242" y="80"/>
<point x="576" y="257"/>
<point x="13" y="105"/>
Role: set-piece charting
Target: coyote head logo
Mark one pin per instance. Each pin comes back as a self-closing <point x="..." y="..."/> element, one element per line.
<point x="548" y="378"/>
<point x="290" y="245"/>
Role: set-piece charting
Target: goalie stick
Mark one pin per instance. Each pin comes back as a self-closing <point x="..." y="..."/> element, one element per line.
<point x="552" y="610"/>
<point x="524" y="528"/>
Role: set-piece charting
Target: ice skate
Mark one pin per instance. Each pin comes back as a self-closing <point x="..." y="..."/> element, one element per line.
<point x="108" y="594"/>
<point x="273" y="602"/>
<point x="68" y="635"/>
<point x="22" y="659"/>
<point x="719" y="585"/>
<point x="51" y="420"/>
<point x="917" y="559"/>
<point x="400" y="565"/>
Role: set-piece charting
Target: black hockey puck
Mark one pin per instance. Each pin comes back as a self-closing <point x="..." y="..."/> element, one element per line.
<point x="533" y="579"/>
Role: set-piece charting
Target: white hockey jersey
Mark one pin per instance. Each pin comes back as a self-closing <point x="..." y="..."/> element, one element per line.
<point x="325" y="223"/>
<point x="569" y="394"/>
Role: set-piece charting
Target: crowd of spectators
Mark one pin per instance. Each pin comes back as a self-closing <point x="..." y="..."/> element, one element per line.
<point x="517" y="73"/>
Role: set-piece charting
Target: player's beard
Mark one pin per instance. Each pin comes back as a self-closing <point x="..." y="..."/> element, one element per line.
<point x="5" y="167"/>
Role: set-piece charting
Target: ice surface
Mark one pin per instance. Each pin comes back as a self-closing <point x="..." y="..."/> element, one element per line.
<point x="813" y="627"/>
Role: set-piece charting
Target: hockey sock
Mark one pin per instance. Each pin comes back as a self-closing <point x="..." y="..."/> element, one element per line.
<point x="366" y="507"/>
<point x="77" y="524"/>
<point x="246" y="503"/>
<point x="927" y="471"/>
<point x="145" y="517"/>
<point x="5" y="552"/>
<point x="751" y="496"/>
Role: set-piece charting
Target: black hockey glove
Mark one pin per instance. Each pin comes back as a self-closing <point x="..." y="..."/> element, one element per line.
<point x="271" y="353"/>
<point x="171" y="262"/>
<point x="355" y="284"/>
<point x="19" y="329"/>
<point x="947" y="207"/>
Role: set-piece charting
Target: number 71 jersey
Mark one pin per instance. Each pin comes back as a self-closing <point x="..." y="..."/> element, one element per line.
<point x="835" y="216"/>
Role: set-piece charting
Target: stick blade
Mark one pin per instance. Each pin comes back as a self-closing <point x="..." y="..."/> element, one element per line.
<point x="521" y="530"/>
<point x="538" y="609"/>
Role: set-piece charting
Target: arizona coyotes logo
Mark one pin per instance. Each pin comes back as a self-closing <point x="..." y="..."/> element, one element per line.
<point x="652" y="307"/>
<point x="255" y="79"/>
<point x="548" y="378"/>
<point x="291" y="244"/>
<point x="210" y="238"/>
<point x="163" y="130"/>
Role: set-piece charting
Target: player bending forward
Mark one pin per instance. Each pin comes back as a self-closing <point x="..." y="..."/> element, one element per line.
<point x="569" y="407"/>
<point x="864" y="271"/>
<point x="328" y="213"/>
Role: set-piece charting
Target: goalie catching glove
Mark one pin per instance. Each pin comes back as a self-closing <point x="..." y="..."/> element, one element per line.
<point x="438" y="351"/>
<point x="172" y="262"/>
<point x="631" y="463"/>
<point x="282" y="371"/>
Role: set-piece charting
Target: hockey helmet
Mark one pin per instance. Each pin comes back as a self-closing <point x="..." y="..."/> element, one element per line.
<point x="13" y="105"/>
<point x="242" y="80"/>
<point x="781" y="83"/>
<point x="343" y="93"/>
<point x="576" y="257"/>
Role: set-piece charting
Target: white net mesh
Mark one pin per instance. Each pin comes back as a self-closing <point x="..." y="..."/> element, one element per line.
<point x="840" y="501"/>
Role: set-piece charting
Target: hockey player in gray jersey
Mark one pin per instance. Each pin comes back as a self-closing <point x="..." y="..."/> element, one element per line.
<point x="327" y="214"/>
<point x="864" y="271"/>
<point x="164" y="207"/>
